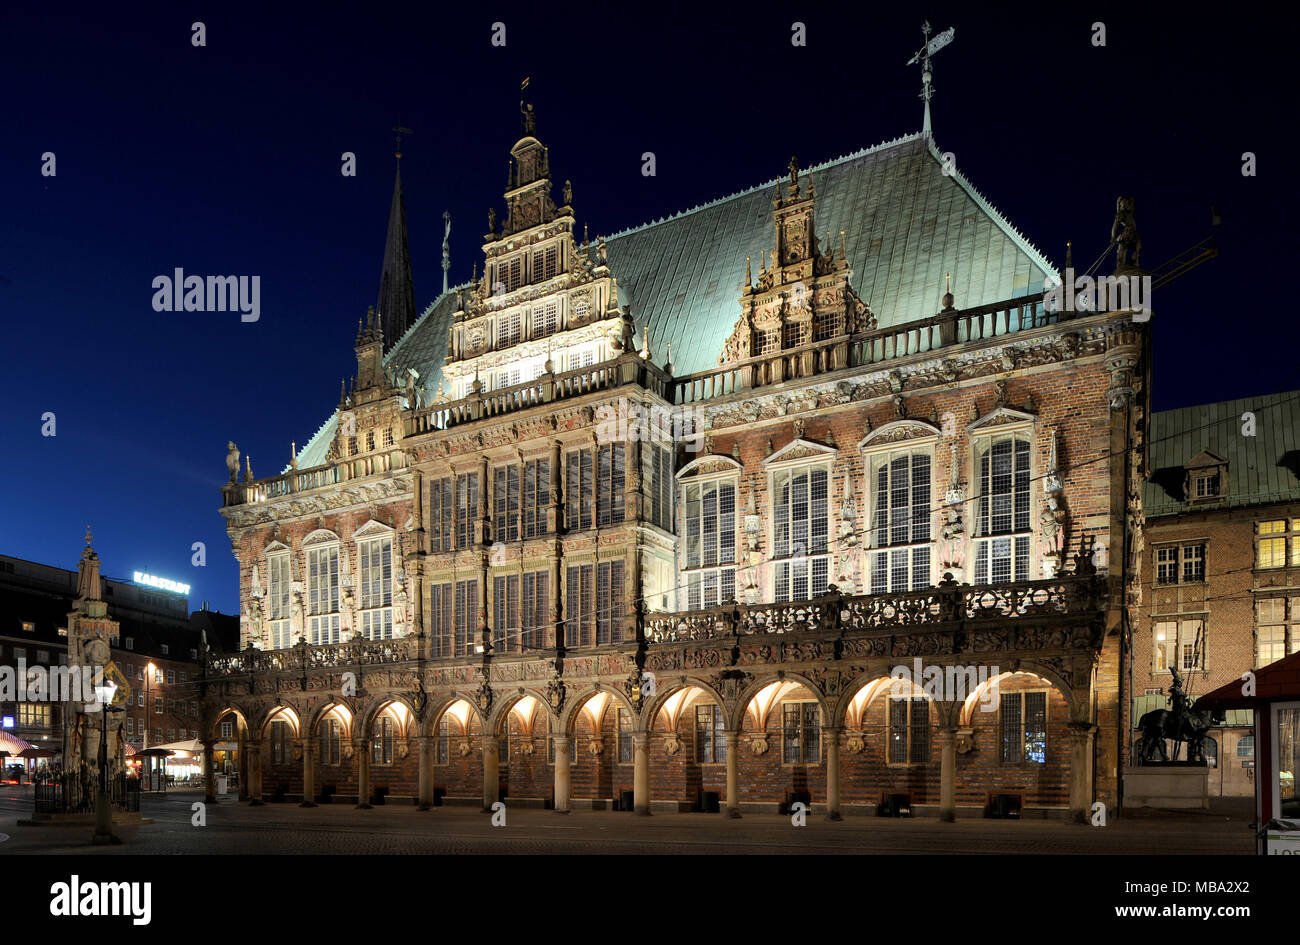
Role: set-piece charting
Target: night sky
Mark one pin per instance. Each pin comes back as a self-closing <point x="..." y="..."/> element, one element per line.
<point x="226" y="160"/>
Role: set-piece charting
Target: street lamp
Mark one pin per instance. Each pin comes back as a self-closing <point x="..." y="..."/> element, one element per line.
<point x="103" y="806"/>
<point x="148" y="702"/>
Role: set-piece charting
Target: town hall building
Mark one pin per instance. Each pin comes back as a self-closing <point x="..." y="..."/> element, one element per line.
<point x="653" y="521"/>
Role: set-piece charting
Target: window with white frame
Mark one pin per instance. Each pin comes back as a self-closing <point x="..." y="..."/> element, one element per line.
<point x="1180" y="564"/>
<point x="508" y="329"/>
<point x="323" y="594"/>
<point x="801" y="510"/>
<point x="376" y="555"/>
<point x="546" y="318"/>
<point x="277" y="595"/>
<point x="1003" y="527"/>
<point x="1178" y="643"/>
<point x="710" y="543"/>
<point x="900" y="520"/>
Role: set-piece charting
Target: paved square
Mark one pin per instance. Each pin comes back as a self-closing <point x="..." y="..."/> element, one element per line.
<point x="234" y="827"/>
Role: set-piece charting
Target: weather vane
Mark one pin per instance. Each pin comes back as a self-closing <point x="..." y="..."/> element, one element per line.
<point x="401" y="130"/>
<point x="922" y="56"/>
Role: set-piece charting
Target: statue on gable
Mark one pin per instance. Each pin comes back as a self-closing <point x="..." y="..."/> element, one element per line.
<point x="1124" y="233"/>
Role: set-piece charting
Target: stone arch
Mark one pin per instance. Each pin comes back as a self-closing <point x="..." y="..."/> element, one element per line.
<point x="440" y="706"/>
<point x="664" y="694"/>
<point x="852" y="701"/>
<point x="406" y="720"/>
<point x="332" y="707"/>
<point x="282" y="712"/>
<point x="506" y="705"/>
<point x="577" y="703"/>
<point x="210" y="728"/>
<point x="1024" y="668"/>
<point x="736" y="713"/>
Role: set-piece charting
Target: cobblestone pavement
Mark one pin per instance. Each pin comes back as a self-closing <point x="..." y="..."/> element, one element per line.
<point x="234" y="827"/>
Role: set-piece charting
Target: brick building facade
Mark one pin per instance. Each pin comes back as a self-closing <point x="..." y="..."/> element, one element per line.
<point x="653" y="519"/>
<point x="1221" y="568"/>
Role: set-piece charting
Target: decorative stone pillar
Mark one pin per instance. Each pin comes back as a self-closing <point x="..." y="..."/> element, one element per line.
<point x="733" y="773"/>
<point x="641" y="772"/>
<point x="561" y="774"/>
<point x="947" y="773"/>
<point x="245" y="767"/>
<point x="209" y="778"/>
<point x="1082" y="737"/>
<point x="424" y="793"/>
<point x="362" y="755"/>
<point x="831" y="739"/>
<point x="255" y="773"/>
<point x="308" y="773"/>
<point x="491" y="773"/>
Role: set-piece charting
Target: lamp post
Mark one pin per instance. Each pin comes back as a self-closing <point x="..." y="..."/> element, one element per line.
<point x="103" y="806"/>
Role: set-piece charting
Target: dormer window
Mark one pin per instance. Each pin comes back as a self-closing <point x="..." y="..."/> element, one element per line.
<point x="1207" y="478"/>
<point x="1207" y="486"/>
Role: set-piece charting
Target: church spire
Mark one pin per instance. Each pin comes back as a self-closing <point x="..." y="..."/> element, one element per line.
<point x="396" y="289"/>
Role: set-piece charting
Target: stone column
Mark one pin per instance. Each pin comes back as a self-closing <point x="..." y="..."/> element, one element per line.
<point x="733" y="773"/>
<point x="308" y="773"/>
<point x="561" y="774"/>
<point x="209" y="777"/>
<point x="244" y="767"/>
<point x="363" y="774"/>
<point x="831" y="738"/>
<point x="255" y="773"/>
<point x="1082" y="736"/>
<point x="425" y="746"/>
<point x="490" y="773"/>
<point x="641" y="772"/>
<point x="947" y="774"/>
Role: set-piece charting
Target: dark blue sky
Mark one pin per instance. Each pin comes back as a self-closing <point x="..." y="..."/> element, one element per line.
<point x="226" y="159"/>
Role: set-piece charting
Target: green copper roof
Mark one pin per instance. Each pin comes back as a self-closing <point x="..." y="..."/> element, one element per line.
<point x="906" y="224"/>
<point x="1263" y="468"/>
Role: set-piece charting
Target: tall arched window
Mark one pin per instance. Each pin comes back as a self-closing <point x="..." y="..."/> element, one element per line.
<point x="278" y="599"/>
<point x="900" y="520"/>
<point x="323" y="593"/>
<point x="376" y="597"/>
<point x="1003" y="524"/>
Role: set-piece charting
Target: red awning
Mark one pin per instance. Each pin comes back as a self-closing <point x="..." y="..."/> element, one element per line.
<point x="1274" y="682"/>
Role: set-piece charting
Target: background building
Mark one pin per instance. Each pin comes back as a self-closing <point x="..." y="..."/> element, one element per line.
<point x="1221" y="567"/>
<point x="155" y="630"/>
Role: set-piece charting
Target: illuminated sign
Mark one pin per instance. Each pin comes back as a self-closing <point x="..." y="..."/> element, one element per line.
<point x="8" y="721"/>
<point x="161" y="583"/>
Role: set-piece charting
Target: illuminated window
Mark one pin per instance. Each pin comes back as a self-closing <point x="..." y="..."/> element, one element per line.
<point x="171" y="677"/>
<point x="442" y="743"/>
<point x="281" y="741"/>
<point x="505" y="614"/>
<point x="594" y="604"/>
<point x="376" y="597"/>
<point x="466" y="617"/>
<point x="466" y="508"/>
<point x="827" y="323"/>
<point x="596" y="487"/>
<point x="441" y="514"/>
<point x="797" y="334"/>
<point x="441" y="626"/>
<point x="900" y="521"/>
<point x="278" y="599"/>
<point x="546" y="319"/>
<point x="508" y="329"/>
<point x="382" y="741"/>
<point x="1024" y="727"/>
<point x="710" y="735"/>
<point x="536" y="497"/>
<point x="657" y="477"/>
<point x="766" y="341"/>
<point x="801" y="736"/>
<point x="32" y="715"/>
<point x="1002" y="524"/>
<point x="626" y="749"/>
<point x="1181" y="640"/>
<point x="909" y="730"/>
<point x="1271" y="544"/>
<point x="710" y="543"/>
<point x="331" y="741"/>
<point x="801" y="524"/>
<point x="227" y="729"/>
<point x="29" y="626"/>
<point x="505" y="495"/>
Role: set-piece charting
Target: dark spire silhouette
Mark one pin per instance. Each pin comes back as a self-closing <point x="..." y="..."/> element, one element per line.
<point x="396" y="302"/>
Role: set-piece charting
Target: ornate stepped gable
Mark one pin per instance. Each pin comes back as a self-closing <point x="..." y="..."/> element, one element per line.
<point x="541" y="293"/>
<point x="805" y="296"/>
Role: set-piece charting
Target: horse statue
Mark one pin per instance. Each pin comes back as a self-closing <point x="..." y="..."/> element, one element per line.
<point x="1180" y="723"/>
